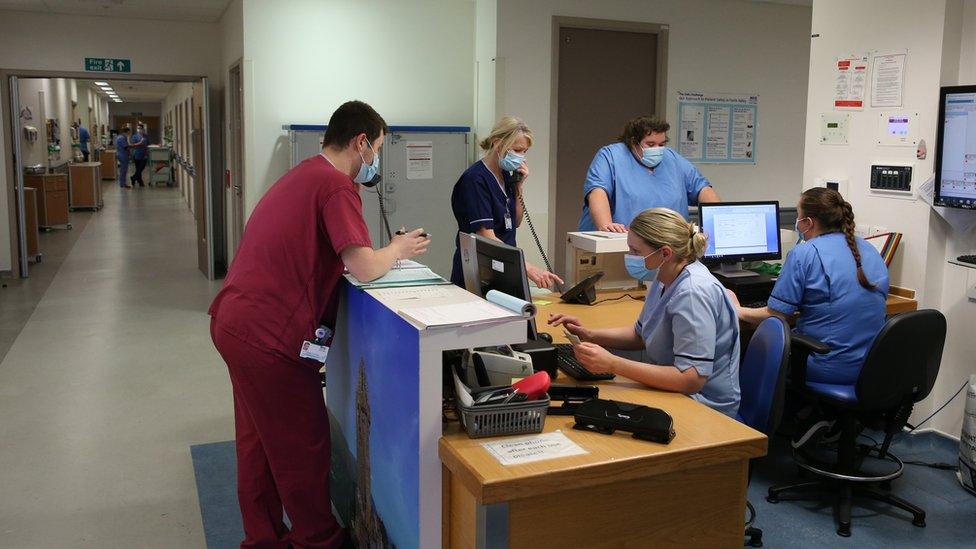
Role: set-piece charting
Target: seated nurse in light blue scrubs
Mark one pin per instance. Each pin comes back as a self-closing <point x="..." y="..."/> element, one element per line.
<point x="835" y="283"/>
<point x="640" y="172"/>
<point x="688" y="327"/>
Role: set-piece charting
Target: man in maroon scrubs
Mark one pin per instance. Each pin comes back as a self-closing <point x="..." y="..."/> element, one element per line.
<point x="282" y="285"/>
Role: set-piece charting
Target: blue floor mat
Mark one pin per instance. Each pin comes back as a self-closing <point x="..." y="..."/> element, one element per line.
<point x="950" y="509"/>
<point x="215" y="467"/>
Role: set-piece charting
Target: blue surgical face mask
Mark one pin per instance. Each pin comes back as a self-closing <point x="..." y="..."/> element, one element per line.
<point x="368" y="171"/>
<point x="511" y="161"/>
<point x="652" y="156"/>
<point x="799" y="234"/>
<point x="636" y="266"/>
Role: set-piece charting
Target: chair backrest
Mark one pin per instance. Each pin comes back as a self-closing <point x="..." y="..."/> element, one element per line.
<point x="903" y="361"/>
<point x="762" y="376"/>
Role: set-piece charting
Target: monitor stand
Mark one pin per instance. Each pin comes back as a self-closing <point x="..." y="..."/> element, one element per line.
<point x="733" y="270"/>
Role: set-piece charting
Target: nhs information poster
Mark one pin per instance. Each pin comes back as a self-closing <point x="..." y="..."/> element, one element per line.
<point x="717" y="128"/>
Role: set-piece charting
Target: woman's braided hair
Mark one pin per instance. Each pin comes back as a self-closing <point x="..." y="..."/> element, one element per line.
<point x="835" y="215"/>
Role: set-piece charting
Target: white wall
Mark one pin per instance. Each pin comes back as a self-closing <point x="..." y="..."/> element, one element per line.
<point x="30" y="89"/>
<point x="714" y="46"/>
<point x="485" y="49"/>
<point x="938" y="53"/>
<point x="412" y="61"/>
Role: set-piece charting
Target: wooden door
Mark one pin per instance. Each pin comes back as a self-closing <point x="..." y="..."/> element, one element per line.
<point x="592" y="109"/>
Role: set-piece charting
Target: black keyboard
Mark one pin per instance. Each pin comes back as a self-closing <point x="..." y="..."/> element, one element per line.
<point x="755" y="304"/>
<point x="566" y="361"/>
<point x="971" y="259"/>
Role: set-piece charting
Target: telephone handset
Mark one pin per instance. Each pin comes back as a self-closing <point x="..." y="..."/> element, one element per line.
<point x="585" y="291"/>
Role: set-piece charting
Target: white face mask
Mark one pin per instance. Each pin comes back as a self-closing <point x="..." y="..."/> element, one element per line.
<point x="799" y="233"/>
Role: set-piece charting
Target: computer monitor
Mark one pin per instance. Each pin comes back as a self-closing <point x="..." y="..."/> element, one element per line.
<point x="955" y="159"/>
<point x="740" y="231"/>
<point x="488" y="264"/>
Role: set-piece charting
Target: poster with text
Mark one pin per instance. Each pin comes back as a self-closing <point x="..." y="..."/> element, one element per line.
<point x="850" y="82"/>
<point x="888" y="79"/>
<point x="717" y="128"/>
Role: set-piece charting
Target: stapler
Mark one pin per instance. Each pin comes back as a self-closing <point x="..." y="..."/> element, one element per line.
<point x="495" y="366"/>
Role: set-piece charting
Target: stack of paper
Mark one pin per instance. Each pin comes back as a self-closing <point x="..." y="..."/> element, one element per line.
<point x="469" y="313"/>
<point x="410" y="276"/>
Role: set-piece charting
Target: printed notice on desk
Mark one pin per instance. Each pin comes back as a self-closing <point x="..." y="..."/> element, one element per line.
<point x="516" y="451"/>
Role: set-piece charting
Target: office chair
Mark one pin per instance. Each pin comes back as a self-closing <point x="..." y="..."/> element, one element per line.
<point x="899" y="370"/>
<point x="762" y="386"/>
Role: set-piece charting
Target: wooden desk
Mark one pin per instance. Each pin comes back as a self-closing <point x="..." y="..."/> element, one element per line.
<point x="86" y="185"/>
<point x="691" y="492"/>
<point x="611" y="314"/>
<point x="52" y="198"/>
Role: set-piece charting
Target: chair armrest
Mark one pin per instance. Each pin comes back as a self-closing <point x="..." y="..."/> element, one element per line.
<point x="806" y="343"/>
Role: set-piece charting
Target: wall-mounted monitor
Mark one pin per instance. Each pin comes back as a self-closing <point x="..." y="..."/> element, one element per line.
<point x="955" y="158"/>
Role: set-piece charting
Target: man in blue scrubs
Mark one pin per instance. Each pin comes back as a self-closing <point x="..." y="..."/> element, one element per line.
<point x="640" y="172"/>
<point x="122" y="155"/>
<point x="83" y="138"/>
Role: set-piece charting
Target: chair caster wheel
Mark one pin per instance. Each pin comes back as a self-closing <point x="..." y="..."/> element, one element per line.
<point x="754" y="543"/>
<point x="844" y="530"/>
<point x="919" y="522"/>
<point x="70" y="227"/>
<point x="772" y="499"/>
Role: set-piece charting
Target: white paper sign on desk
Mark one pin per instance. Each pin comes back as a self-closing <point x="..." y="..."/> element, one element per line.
<point x="516" y="451"/>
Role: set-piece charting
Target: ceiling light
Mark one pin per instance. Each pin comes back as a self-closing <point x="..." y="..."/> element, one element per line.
<point x="113" y="94"/>
<point x="101" y="83"/>
<point x="117" y="100"/>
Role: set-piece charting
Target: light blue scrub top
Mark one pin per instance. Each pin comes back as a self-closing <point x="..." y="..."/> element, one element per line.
<point x="138" y="151"/>
<point x="694" y="324"/>
<point x="632" y="188"/>
<point x="819" y="279"/>
<point x="122" y="147"/>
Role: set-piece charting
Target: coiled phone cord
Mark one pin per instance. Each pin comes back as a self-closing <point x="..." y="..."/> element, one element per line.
<point x="386" y="222"/>
<point x="538" y="243"/>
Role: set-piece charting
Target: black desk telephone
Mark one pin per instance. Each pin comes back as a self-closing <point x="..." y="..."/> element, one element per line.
<point x="584" y="292"/>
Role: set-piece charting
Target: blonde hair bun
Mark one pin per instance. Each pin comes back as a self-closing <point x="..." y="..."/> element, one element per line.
<point x="663" y="227"/>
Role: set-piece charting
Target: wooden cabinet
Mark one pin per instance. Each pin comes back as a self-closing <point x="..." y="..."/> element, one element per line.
<point x="108" y="164"/>
<point x="85" y="182"/>
<point x="52" y="198"/>
<point x="30" y="209"/>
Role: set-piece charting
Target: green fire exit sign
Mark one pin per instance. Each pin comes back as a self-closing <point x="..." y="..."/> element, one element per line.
<point x="102" y="64"/>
